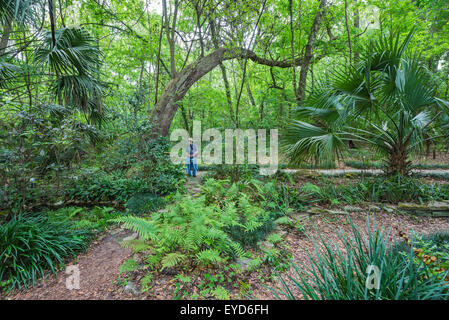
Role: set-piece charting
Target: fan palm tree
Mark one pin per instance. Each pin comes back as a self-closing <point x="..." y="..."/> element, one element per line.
<point x="74" y="58"/>
<point x="385" y="100"/>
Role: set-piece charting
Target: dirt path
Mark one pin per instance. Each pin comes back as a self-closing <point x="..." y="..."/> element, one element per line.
<point x="99" y="268"/>
<point x="193" y="184"/>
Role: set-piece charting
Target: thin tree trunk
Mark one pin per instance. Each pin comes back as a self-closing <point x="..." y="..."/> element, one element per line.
<point x="170" y="33"/>
<point x="309" y="50"/>
<point x="292" y="44"/>
<point x="250" y="95"/>
<point x="158" y="60"/>
<point x="237" y="105"/>
<point x="356" y="25"/>
<point x="5" y="36"/>
<point x="223" y="71"/>
<point x="61" y="13"/>
<point x="52" y="22"/>
<point x="348" y="32"/>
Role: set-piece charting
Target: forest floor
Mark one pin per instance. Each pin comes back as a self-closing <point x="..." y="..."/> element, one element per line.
<point x="99" y="266"/>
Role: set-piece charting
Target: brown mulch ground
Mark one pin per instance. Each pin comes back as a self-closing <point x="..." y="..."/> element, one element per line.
<point x="328" y="226"/>
<point x="100" y="265"/>
<point x="99" y="268"/>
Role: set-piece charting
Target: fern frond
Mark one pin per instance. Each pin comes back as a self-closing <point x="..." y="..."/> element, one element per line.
<point x="172" y="259"/>
<point x="137" y="245"/>
<point x="252" y="225"/>
<point x="237" y="249"/>
<point x="145" y="229"/>
<point x="221" y="293"/>
<point x="209" y="256"/>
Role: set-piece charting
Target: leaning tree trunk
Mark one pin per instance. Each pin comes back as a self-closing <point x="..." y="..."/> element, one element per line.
<point x="166" y="107"/>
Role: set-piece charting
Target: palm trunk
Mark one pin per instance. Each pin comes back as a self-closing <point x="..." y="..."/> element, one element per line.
<point x="397" y="161"/>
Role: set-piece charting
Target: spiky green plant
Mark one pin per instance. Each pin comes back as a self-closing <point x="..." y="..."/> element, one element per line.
<point x="29" y="246"/>
<point x="340" y="273"/>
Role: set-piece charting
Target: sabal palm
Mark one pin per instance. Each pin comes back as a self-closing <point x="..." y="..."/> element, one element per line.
<point x="75" y="60"/>
<point x="385" y="100"/>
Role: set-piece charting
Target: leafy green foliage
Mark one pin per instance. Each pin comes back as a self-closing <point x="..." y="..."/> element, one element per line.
<point x="30" y="245"/>
<point x="221" y="293"/>
<point x="143" y="203"/>
<point x="145" y="229"/>
<point x="341" y="273"/>
<point x="376" y="189"/>
<point x="82" y="218"/>
<point x="431" y="249"/>
<point x="128" y="266"/>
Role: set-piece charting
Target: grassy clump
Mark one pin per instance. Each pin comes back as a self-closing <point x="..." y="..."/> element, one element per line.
<point x="375" y="189"/>
<point x="30" y="245"/>
<point x="343" y="273"/>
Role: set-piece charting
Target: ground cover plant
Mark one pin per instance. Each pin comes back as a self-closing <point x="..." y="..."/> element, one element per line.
<point x="335" y="275"/>
<point x="29" y="246"/>
<point x="375" y="189"/>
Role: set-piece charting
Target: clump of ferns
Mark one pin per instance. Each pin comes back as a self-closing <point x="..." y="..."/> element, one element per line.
<point x="189" y="232"/>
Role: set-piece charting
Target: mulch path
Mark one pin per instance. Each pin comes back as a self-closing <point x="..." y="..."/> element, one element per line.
<point x="99" y="268"/>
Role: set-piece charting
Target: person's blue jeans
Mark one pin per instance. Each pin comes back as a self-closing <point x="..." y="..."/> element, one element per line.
<point x="191" y="169"/>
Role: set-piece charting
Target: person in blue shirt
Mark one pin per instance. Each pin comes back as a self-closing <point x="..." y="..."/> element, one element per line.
<point x="191" y="163"/>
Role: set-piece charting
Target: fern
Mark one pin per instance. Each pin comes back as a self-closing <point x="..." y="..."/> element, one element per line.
<point x="146" y="282"/>
<point x="172" y="259"/>
<point x="274" y="238"/>
<point x="183" y="278"/>
<point x="283" y="221"/>
<point x="128" y="266"/>
<point x="237" y="249"/>
<point x="209" y="256"/>
<point x="137" y="245"/>
<point x="221" y="293"/>
<point x="153" y="260"/>
<point x="253" y="225"/>
<point x="145" y="229"/>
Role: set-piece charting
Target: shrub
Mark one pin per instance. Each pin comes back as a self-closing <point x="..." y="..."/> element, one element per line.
<point x="143" y="203"/>
<point x="342" y="274"/>
<point x="30" y="245"/>
<point x="99" y="186"/>
<point x="432" y="250"/>
<point x="84" y="218"/>
<point x="375" y="189"/>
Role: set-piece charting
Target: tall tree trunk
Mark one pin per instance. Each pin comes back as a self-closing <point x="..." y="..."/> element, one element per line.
<point x="223" y="71"/>
<point x="348" y="31"/>
<point x="292" y="44"/>
<point x="158" y="61"/>
<point x="170" y="32"/>
<point x="164" y="110"/>
<point x="52" y="22"/>
<point x="5" y="36"/>
<point x="308" y="55"/>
